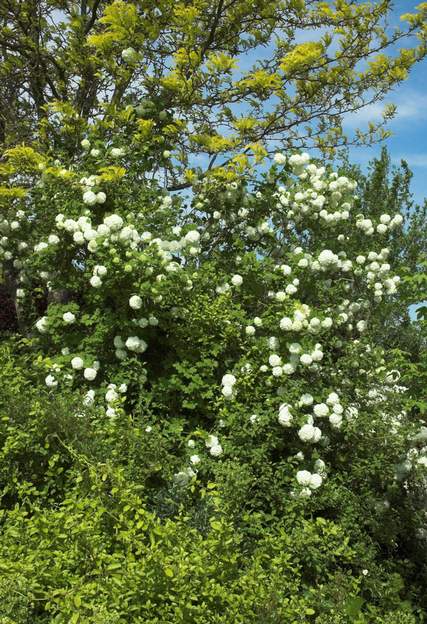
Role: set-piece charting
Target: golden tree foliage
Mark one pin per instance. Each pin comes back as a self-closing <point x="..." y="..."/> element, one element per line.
<point x="200" y="78"/>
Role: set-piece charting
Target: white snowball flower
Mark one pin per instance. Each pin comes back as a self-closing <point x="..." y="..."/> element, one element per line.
<point x="279" y="158"/>
<point x="275" y="360"/>
<point x="41" y="324"/>
<point x="114" y="222"/>
<point x="111" y="396"/>
<point x="237" y="280"/>
<point x="285" y="416"/>
<point x="320" y="466"/>
<point x="51" y="382"/>
<point x="317" y="355"/>
<point x="306" y="399"/>
<point x="211" y="440"/>
<point x="116" y="152"/>
<point x="216" y="450"/>
<point x="281" y="296"/>
<point x="118" y="342"/>
<point x="227" y="392"/>
<point x="333" y="398"/>
<point x="288" y="368"/>
<point x="95" y="281"/>
<point x="89" y="373"/>
<point x="89" y="397"/>
<point x="78" y="238"/>
<point x="135" y="302"/>
<point x="68" y="318"/>
<point x="228" y="380"/>
<point x="338" y="409"/>
<point x="361" y="326"/>
<point x="89" y="198"/>
<point x="321" y="410"/>
<point x="77" y="363"/>
<point x="103" y="229"/>
<point x="286" y="323"/>
<point x="85" y="143"/>
<point x="133" y="343"/>
<point x="195" y="459"/>
<point x="335" y="420"/>
<point x="192" y="236"/>
<point x="250" y="330"/>
<point x="53" y="239"/>
<point x="100" y="270"/>
<point x="101" y="198"/>
<point x="309" y="433"/>
<point x="303" y="477"/>
<point x="306" y="359"/>
<point x="315" y="481"/>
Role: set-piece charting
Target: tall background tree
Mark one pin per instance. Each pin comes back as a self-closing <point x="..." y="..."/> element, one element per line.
<point x="212" y="79"/>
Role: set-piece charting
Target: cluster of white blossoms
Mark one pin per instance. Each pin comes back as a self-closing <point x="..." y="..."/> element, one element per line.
<point x="324" y="189"/>
<point x="416" y="455"/>
<point x="215" y="448"/>
<point x="89" y="372"/>
<point x="68" y="318"/>
<point x="378" y="273"/>
<point x="296" y="357"/>
<point x="228" y="382"/>
<point x="89" y="196"/>
<point x="169" y="251"/>
<point x="135" y="302"/>
<point x="113" y="397"/>
<point x="285" y="416"/>
<point x="212" y="443"/>
<point x="387" y="222"/>
<point x="301" y="322"/>
<point x="42" y="325"/>
<point x="9" y="228"/>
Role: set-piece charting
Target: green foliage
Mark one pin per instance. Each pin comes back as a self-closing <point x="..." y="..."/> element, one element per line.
<point x="212" y="403"/>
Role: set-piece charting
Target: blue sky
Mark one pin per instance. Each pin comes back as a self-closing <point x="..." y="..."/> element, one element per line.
<point x="409" y="140"/>
<point x="409" y="127"/>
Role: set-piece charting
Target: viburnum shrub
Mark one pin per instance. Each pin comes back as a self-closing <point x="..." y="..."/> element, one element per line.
<point x="241" y="311"/>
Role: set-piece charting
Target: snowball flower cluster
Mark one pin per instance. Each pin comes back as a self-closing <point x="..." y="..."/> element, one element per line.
<point x="51" y="382"/>
<point x="135" y="302"/>
<point x="68" y="318"/>
<point x="285" y="416"/>
<point x="309" y="433"/>
<point x="112" y="396"/>
<point x="42" y="325"/>
<point x="135" y="344"/>
<point x="304" y="477"/>
<point x="228" y="382"/>
<point x="77" y="363"/>
<point x="90" y="198"/>
<point x="309" y="481"/>
<point x="215" y="448"/>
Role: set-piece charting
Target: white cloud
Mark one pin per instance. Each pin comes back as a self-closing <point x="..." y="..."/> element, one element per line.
<point x="413" y="160"/>
<point x="411" y="106"/>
